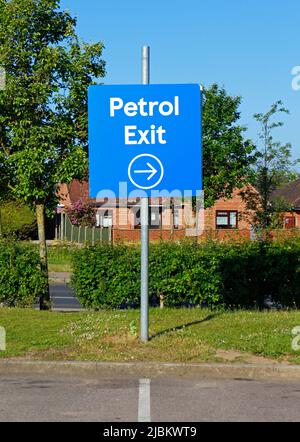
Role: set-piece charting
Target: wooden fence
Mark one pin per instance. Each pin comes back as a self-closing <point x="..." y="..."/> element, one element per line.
<point x="66" y="231"/>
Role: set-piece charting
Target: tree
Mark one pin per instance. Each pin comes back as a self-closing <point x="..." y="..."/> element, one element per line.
<point x="43" y="109"/>
<point x="227" y="156"/>
<point x="273" y="168"/>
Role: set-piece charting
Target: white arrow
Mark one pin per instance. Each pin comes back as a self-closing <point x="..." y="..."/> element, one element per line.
<point x="152" y="171"/>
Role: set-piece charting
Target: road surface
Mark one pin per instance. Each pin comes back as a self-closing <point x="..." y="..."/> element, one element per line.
<point x="60" y="398"/>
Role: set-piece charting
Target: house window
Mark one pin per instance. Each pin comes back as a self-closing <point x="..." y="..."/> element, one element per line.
<point x="226" y="219"/>
<point x="104" y="218"/>
<point x="289" y="222"/>
<point x="154" y="217"/>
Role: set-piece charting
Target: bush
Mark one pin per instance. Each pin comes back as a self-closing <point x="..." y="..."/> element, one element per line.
<point x="21" y="280"/>
<point x="106" y="276"/>
<point x="109" y="276"/>
<point x="82" y="214"/>
<point x="184" y="274"/>
<point x="254" y="272"/>
<point x="16" y="219"/>
<point x="210" y="274"/>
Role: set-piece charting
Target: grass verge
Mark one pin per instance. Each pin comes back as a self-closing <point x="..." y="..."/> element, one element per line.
<point x="60" y="258"/>
<point x="177" y="335"/>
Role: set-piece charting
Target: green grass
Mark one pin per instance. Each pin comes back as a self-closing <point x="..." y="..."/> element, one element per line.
<point x="178" y="335"/>
<point x="60" y="258"/>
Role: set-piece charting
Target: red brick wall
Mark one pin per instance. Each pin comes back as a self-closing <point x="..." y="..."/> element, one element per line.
<point x="226" y="235"/>
<point x="234" y="203"/>
<point x="70" y="193"/>
<point x="79" y="191"/>
<point x="134" y="235"/>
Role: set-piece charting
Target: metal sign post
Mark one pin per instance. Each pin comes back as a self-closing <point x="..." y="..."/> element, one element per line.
<point x="144" y="319"/>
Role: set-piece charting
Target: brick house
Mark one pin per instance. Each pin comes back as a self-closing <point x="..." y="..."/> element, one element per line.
<point x="226" y="219"/>
<point x="223" y="220"/>
<point x="291" y="194"/>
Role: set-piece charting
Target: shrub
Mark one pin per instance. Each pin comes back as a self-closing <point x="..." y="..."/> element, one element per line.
<point x="184" y="274"/>
<point x="109" y="276"/>
<point x="254" y="272"/>
<point x="16" y="219"/>
<point x="21" y="280"/>
<point x="282" y="273"/>
<point x="106" y="276"/>
<point x="210" y="274"/>
<point x="81" y="214"/>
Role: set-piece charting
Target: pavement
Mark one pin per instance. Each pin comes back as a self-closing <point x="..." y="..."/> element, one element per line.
<point x="62" y="296"/>
<point x="56" y="398"/>
<point x="147" y="392"/>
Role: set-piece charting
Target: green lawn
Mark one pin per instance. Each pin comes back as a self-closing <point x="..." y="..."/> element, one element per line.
<point x="178" y="335"/>
<point x="60" y="258"/>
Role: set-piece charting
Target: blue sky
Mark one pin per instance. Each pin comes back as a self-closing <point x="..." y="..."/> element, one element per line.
<point x="247" y="46"/>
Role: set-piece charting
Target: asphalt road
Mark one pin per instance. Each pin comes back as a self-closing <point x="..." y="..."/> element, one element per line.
<point x="63" y="298"/>
<point x="58" y="398"/>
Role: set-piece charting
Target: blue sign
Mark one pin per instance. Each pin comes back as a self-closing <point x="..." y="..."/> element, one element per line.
<point x="145" y="140"/>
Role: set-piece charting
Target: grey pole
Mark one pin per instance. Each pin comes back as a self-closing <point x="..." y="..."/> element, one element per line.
<point x="144" y="325"/>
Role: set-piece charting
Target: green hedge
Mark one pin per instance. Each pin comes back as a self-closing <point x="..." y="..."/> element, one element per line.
<point x="21" y="280"/>
<point x="16" y="219"/>
<point x="210" y="274"/>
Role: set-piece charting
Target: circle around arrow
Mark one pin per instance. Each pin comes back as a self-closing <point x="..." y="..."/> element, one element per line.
<point x="161" y="171"/>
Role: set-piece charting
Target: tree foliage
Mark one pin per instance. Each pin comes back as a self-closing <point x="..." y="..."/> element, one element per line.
<point x="43" y="109"/>
<point x="227" y="156"/>
<point x="16" y="219"/>
<point x="272" y="169"/>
